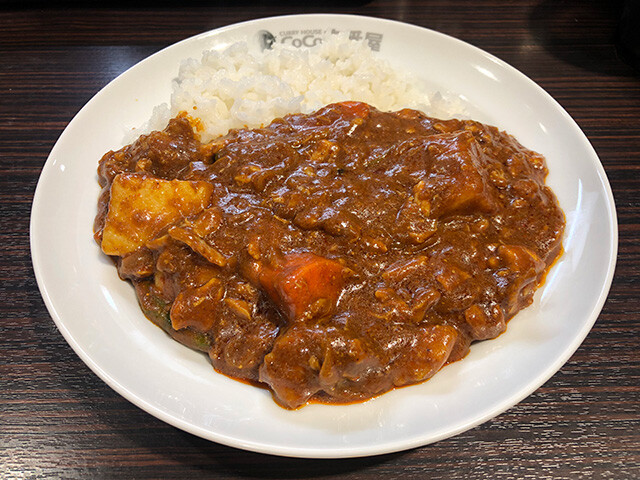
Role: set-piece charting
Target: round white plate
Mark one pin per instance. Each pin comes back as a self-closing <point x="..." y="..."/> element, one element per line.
<point x="99" y="316"/>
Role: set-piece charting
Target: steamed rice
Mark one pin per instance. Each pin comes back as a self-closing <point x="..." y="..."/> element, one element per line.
<point x="235" y="88"/>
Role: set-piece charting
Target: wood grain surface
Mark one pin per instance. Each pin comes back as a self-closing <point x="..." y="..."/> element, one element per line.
<point x="58" y="420"/>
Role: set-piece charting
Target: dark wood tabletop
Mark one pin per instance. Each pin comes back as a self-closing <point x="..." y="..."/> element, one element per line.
<point x="59" y="420"/>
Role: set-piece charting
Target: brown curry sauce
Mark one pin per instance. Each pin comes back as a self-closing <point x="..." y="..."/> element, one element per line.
<point x="331" y="256"/>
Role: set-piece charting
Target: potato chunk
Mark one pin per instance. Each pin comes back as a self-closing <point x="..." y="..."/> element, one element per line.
<point x="458" y="183"/>
<point x="141" y="207"/>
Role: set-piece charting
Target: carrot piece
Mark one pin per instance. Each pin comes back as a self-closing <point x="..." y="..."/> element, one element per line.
<point x="304" y="285"/>
<point x="358" y="109"/>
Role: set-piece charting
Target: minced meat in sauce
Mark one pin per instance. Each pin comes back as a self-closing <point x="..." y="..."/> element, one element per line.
<point x="331" y="256"/>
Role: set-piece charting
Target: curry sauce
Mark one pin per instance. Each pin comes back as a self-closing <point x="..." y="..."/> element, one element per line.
<point x="330" y="256"/>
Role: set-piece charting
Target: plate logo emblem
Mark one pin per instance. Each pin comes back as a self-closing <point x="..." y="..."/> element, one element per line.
<point x="312" y="37"/>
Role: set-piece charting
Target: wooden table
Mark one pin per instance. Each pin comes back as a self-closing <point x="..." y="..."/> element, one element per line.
<point x="58" y="420"/>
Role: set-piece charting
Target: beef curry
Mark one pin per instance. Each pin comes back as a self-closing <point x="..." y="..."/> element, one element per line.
<point x="332" y="256"/>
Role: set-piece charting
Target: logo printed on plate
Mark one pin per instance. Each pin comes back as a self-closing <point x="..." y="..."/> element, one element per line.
<point x="312" y="37"/>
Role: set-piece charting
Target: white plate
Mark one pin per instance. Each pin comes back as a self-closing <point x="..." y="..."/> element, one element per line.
<point x="100" y="318"/>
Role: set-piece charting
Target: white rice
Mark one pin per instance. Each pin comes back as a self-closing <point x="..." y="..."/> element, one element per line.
<point x="236" y="88"/>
